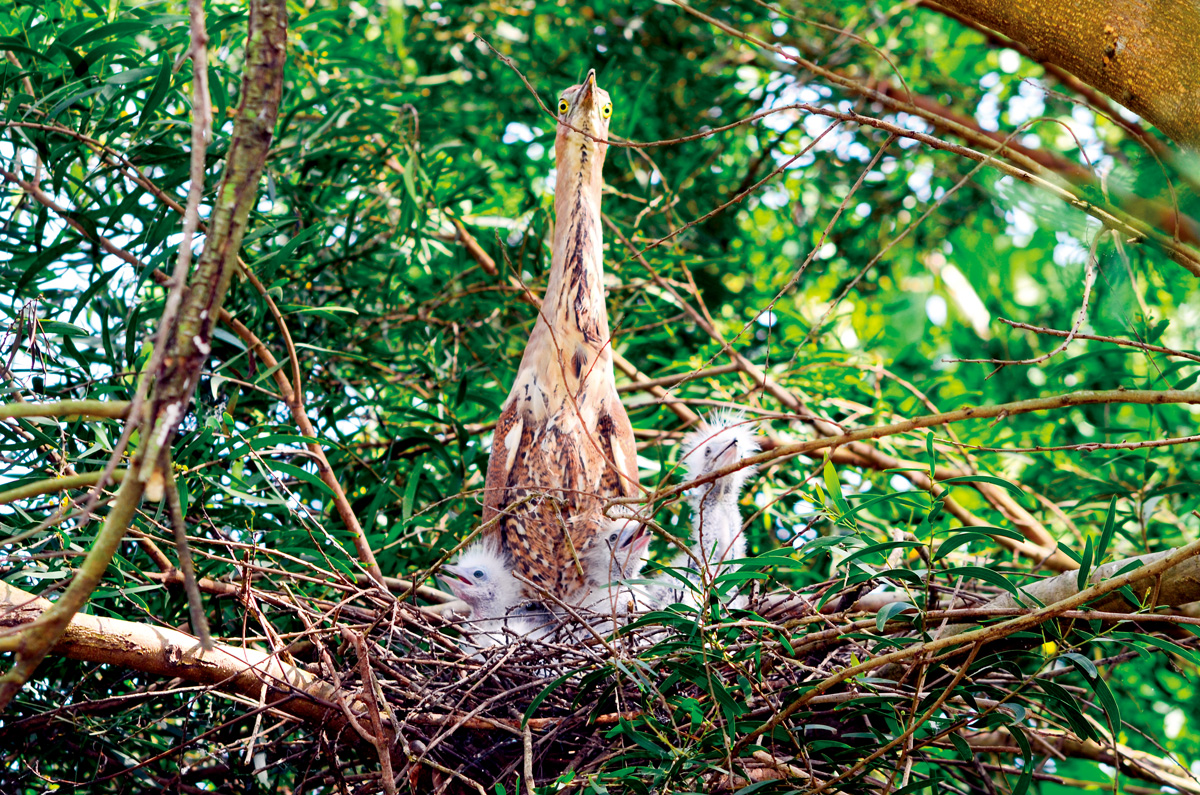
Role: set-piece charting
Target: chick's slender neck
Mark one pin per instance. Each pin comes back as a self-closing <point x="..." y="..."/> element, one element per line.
<point x="716" y="519"/>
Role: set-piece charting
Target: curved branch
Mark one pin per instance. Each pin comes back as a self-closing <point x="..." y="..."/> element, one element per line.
<point x="51" y="485"/>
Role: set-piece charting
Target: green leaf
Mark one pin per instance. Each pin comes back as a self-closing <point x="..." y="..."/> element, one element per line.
<point x="1085" y="566"/>
<point x="882" y="549"/>
<point x="1107" y="701"/>
<point x="1106" y="536"/>
<point x="995" y="481"/>
<point x="1085" y="666"/>
<point x="988" y="576"/>
<point x="960" y="539"/>
<point x="542" y="696"/>
<point x="889" y="611"/>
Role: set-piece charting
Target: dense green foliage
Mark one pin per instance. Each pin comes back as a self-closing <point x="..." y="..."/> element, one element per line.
<point x="395" y="119"/>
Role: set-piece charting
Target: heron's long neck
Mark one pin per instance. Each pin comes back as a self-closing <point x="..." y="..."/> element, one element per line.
<point x="574" y="303"/>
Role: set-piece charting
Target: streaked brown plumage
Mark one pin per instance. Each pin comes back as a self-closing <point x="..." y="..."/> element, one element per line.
<point x="563" y="435"/>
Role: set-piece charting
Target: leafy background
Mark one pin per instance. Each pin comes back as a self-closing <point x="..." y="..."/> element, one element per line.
<point x="396" y="119"/>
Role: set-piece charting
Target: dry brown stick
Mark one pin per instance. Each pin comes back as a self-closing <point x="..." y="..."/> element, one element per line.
<point x="672" y="380"/>
<point x="378" y="737"/>
<point x="293" y="359"/>
<point x="179" y="524"/>
<point x="1099" y="338"/>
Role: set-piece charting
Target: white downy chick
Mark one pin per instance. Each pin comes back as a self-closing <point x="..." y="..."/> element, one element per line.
<point x="482" y="577"/>
<point x="619" y="554"/>
<point x="531" y="619"/>
<point x="723" y="439"/>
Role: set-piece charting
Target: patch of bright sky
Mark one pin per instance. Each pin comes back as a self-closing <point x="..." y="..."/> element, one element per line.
<point x="1010" y="60"/>
<point x="775" y="197"/>
<point x="1028" y="103"/>
<point x="1021" y="226"/>
<point x="516" y="131"/>
<point x="1069" y="250"/>
<point x="847" y="337"/>
<point x="936" y="310"/>
<point x="918" y="181"/>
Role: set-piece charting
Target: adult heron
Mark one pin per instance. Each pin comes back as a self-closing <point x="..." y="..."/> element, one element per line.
<point x="563" y="439"/>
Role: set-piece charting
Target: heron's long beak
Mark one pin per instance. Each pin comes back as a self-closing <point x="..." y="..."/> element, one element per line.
<point x="587" y="94"/>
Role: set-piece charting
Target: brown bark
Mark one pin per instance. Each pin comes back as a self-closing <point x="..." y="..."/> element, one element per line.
<point x="1145" y="54"/>
<point x="166" y="652"/>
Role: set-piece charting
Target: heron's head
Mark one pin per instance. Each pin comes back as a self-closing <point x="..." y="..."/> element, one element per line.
<point x="482" y="577"/>
<point x="722" y="439"/>
<point x="585" y="107"/>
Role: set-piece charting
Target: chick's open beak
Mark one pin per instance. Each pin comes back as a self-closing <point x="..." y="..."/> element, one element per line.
<point x="637" y="540"/>
<point x="454" y="576"/>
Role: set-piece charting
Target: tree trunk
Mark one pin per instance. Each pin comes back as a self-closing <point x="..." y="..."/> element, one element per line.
<point x="1145" y="54"/>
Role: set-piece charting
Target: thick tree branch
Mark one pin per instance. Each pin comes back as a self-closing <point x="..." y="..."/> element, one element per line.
<point x="68" y="409"/>
<point x="1146" y="56"/>
<point x="166" y="652"/>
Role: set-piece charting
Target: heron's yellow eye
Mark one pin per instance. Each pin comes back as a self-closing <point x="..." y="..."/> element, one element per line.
<point x="606" y="111"/>
<point x="563" y="107"/>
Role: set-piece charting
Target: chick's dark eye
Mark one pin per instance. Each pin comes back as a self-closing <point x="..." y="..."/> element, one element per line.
<point x="479" y="574"/>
